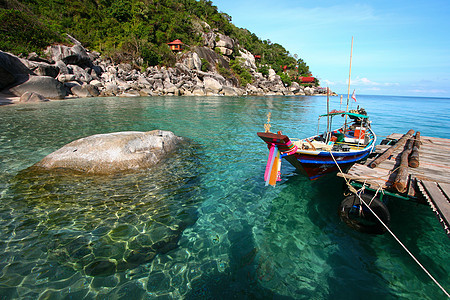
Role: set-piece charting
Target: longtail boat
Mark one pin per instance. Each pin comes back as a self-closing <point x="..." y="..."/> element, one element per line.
<point x="323" y="153"/>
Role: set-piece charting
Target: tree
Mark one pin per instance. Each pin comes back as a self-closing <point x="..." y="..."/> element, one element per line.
<point x="127" y="29"/>
<point x="121" y="10"/>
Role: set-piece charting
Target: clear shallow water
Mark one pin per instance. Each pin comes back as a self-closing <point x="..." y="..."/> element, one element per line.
<point x="202" y="224"/>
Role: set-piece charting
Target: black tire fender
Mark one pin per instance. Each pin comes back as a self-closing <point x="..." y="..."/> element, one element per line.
<point x="356" y="215"/>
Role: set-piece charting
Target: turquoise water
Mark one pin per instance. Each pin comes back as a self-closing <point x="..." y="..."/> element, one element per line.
<point x="202" y="224"/>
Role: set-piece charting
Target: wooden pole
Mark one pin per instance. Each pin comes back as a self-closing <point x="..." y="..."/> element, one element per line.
<point x="348" y="92"/>
<point x="414" y="156"/>
<point x="391" y="150"/>
<point x="328" y="115"/>
<point x="401" y="180"/>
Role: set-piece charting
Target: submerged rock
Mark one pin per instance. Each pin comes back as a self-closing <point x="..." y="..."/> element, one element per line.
<point x="112" y="152"/>
<point x="101" y="268"/>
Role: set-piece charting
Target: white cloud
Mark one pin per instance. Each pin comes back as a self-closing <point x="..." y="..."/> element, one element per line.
<point x="367" y="82"/>
<point x="327" y="82"/>
<point x="428" y="91"/>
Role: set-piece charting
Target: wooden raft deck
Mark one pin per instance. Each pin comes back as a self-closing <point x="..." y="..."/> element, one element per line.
<point x="431" y="180"/>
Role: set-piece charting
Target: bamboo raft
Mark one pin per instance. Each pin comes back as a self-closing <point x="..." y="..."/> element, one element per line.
<point x="429" y="181"/>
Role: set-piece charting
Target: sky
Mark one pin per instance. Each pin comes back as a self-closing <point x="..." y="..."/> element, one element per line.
<point x="400" y="47"/>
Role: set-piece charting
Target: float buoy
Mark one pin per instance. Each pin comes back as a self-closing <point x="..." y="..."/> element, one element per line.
<point x="356" y="215"/>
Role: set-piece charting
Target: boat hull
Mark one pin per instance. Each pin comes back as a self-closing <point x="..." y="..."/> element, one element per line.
<point x="315" y="166"/>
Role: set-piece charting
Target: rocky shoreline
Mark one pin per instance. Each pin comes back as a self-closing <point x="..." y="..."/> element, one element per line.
<point x="69" y="72"/>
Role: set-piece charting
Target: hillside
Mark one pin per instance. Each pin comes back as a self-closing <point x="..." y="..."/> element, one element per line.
<point x="137" y="32"/>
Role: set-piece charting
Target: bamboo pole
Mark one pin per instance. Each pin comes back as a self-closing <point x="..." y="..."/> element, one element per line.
<point x="414" y="156"/>
<point x="328" y="115"/>
<point x="349" y="79"/>
<point x="391" y="150"/>
<point x="401" y="180"/>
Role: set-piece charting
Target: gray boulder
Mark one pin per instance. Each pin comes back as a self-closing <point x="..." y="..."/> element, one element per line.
<point x="308" y="91"/>
<point x="198" y="91"/>
<point x="112" y="87"/>
<point x="212" y="57"/>
<point x="130" y="94"/>
<point x="75" y="55"/>
<point x="225" y="51"/>
<point x="158" y="85"/>
<point x="196" y="61"/>
<point x="12" y="70"/>
<point x="225" y="44"/>
<point x="66" y="77"/>
<point x="211" y="85"/>
<point x="209" y="39"/>
<point x="32" y="97"/>
<point x="295" y="87"/>
<point x="225" y="41"/>
<point x="33" y="56"/>
<point x="146" y="92"/>
<point x="248" y="59"/>
<point x="42" y="68"/>
<point x="272" y="75"/>
<point x="6" y="78"/>
<point x="62" y="67"/>
<point x="80" y="73"/>
<point x="85" y="90"/>
<point x="170" y="88"/>
<point x="70" y="84"/>
<point x="47" y="86"/>
<point x="113" y="152"/>
<point x="229" y="91"/>
<point x="96" y="83"/>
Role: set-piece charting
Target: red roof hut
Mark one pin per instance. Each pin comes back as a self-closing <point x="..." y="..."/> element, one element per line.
<point x="307" y="79"/>
<point x="176" y="45"/>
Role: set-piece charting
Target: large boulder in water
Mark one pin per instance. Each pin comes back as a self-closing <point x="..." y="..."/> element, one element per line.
<point x="47" y="86"/>
<point x="113" y="152"/>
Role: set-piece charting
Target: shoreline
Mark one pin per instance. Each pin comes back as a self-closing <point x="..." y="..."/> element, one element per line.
<point x="8" y="99"/>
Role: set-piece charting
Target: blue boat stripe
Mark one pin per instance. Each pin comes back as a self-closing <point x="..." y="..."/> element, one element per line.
<point x="321" y="162"/>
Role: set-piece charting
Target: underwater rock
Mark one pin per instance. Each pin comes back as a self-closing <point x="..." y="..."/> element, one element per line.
<point x="100" y="268"/>
<point x="112" y="152"/>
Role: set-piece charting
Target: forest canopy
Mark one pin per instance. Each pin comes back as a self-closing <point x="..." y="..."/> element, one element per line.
<point x="128" y="30"/>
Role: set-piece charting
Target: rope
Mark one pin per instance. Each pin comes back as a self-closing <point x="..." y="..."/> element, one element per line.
<point x="387" y="228"/>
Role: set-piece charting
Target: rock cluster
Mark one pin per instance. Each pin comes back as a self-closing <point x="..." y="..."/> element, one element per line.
<point x="75" y="71"/>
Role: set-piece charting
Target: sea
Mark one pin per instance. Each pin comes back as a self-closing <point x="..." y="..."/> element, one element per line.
<point x="202" y="224"/>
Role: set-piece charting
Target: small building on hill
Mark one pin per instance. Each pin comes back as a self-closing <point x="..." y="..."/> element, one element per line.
<point x="176" y="45"/>
<point x="308" y="79"/>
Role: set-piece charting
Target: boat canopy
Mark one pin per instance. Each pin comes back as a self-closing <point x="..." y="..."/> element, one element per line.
<point x="343" y="113"/>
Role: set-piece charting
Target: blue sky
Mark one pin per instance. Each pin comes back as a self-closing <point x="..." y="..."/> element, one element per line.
<point x="400" y="47"/>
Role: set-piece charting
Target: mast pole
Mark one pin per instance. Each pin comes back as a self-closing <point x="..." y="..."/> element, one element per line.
<point x="348" y="92"/>
<point x="328" y="115"/>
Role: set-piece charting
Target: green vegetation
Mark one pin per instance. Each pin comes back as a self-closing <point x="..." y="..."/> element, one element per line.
<point x="127" y="30"/>
<point x="264" y="70"/>
<point x="286" y="79"/>
<point x="240" y="72"/>
<point x="20" y="33"/>
<point x="226" y="73"/>
<point x="205" y="65"/>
